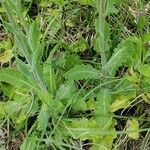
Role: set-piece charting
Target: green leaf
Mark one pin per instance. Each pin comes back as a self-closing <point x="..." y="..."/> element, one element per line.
<point x="15" y="78"/>
<point x="34" y="37"/>
<point x="29" y="143"/>
<point x="86" y="2"/>
<point x="24" y="68"/>
<point x="144" y="70"/>
<point x="49" y="76"/>
<point x="81" y="72"/>
<point x="9" y="26"/>
<point x="79" y="45"/>
<point x="14" y="6"/>
<point x="65" y="91"/>
<point x="35" y="45"/>
<point x="81" y="128"/>
<point x="106" y="36"/>
<point x="121" y="55"/>
<point x="42" y="119"/>
<point x="6" y="108"/>
<point x="103" y="117"/>
<point x="72" y="60"/>
<point x="110" y="8"/>
<point x="79" y="104"/>
<point x="17" y="94"/>
<point x="53" y="25"/>
<point x="105" y="143"/>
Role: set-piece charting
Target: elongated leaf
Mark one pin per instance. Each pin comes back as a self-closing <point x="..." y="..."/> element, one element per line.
<point x="24" y="68"/>
<point x="43" y="118"/>
<point x="29" y="144"/>
<point x="21" y="41"/>
<point x="103" y="117"/>
<point x="121" y="55"/>
<point x="110" y="8"/>
<point x="17" y="94"/>
<point x="120" y="103"/>
<point x="34" y="43"/>
<point x="14" y="6"/>
<point x="34" y="36"/>
<point x="15" y="78"/>
<point x="49" y="76"/>
<point x="81" y="72"/>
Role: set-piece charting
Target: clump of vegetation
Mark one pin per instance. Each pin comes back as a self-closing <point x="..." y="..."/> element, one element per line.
<point x="74" y="74"/>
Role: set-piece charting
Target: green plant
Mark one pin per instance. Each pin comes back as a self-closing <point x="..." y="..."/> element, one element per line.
<point x="57" y="91"/>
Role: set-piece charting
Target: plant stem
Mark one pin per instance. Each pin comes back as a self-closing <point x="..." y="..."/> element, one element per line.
<point x="102" y="5"/>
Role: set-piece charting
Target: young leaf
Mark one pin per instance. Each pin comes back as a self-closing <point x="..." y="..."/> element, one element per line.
<point x="79" y="45"/>
<point x="144" y="70"/>
<point x="78" y="104"/>
<point x="72" y="60"/>
<point x="81" y="72"/>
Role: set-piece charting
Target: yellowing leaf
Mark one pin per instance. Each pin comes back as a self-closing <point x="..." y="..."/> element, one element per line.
<point x="133" y="77"/>
<point x="90" y="104"/>
<point x="5" y="56"/>
<point x="69" y="23"/>
<point x="120" y="103"/>
<point x="54" y="12"/>
<point x="146" y="98"/>
<point x="133" y="127"/>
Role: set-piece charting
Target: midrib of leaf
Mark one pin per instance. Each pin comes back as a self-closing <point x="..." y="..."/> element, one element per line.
<point x="83" y="72"/>
<point x="80" y="72"/>
<point x="16" y="78"/>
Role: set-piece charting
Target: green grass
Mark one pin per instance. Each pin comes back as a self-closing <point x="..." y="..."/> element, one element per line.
<point x="74" y="74"/>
